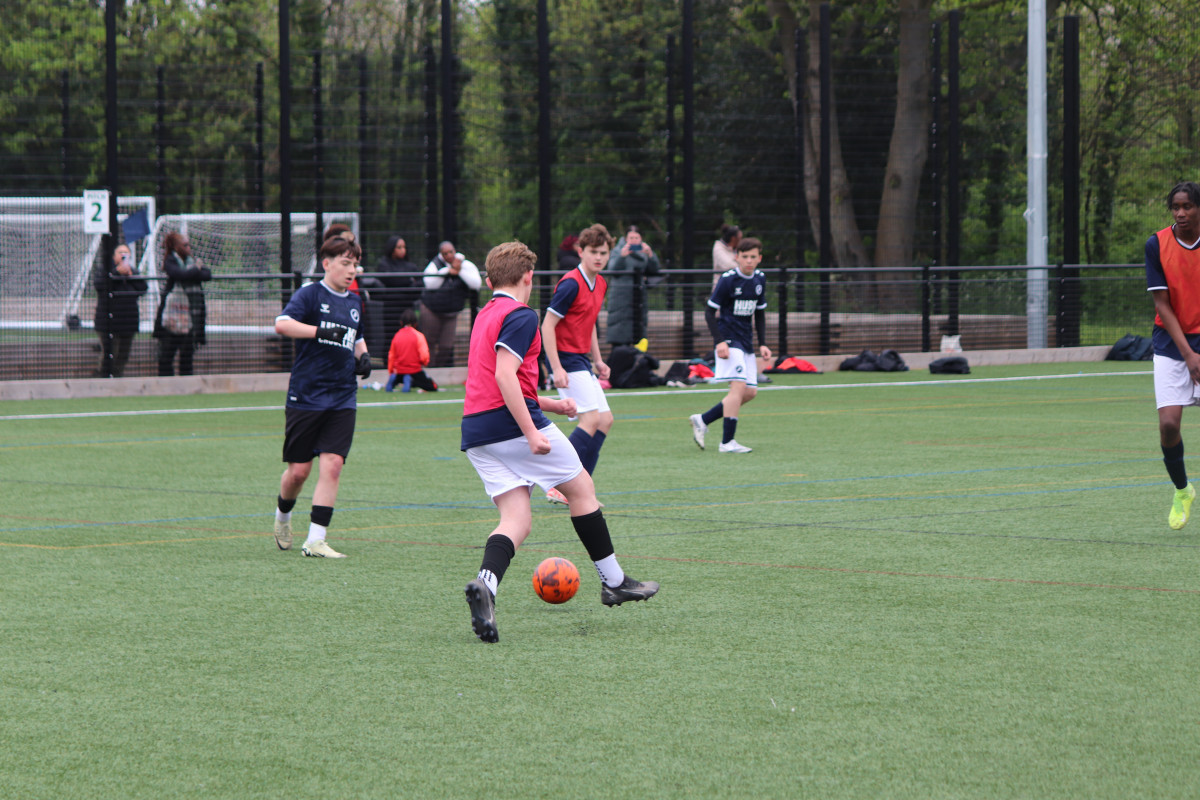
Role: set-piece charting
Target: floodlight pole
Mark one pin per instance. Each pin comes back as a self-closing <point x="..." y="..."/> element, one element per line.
<point x="1036" y="198"/>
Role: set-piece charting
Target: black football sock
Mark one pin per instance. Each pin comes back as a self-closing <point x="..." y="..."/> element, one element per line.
<point x="285" y="506"/>
<point x="713" y="414"/>
<point x="497" y="555"/>
<point x="1173" y="458"/>
<point x="592" y="530"/>
<point x="730" y="429"/>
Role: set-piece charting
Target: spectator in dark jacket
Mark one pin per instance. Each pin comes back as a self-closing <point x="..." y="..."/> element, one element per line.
<point x="398" y="277"/>
<point x="117" y="293"/>
<point x="182" y="314"/>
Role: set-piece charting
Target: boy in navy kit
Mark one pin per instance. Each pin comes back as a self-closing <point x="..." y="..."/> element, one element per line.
<point x="572" y="346"/>
<point x="325" y="320"/>
<point x="739" y="296"/>
<point x="513" y="446"/>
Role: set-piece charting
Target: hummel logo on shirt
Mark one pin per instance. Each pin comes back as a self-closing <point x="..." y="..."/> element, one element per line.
<point x="325" y="309"/>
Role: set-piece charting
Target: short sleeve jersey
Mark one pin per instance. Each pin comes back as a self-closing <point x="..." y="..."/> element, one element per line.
<point x="577" y="303"/>
<point x="507" y="323"/>
<point x="1175" y="266"/>
<point x="736" y="297"/>
<point x="323" y="372"/>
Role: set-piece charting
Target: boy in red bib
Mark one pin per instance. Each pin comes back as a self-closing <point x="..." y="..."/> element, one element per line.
<point x="1173" y="278"/>
<point x="513" y="446"/>
<point x="573" y="346"/>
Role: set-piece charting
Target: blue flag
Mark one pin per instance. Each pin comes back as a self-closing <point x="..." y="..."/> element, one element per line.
<point x="137" y="226"/>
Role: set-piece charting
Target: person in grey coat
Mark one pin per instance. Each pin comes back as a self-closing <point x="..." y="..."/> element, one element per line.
<point x="631" y="262"/>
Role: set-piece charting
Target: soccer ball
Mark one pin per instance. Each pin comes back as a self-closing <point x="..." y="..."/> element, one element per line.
<point x="556" y="580"/>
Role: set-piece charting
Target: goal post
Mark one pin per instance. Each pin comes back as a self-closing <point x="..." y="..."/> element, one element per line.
<point x="46" y="259"/>
<point x="240" y="244"/>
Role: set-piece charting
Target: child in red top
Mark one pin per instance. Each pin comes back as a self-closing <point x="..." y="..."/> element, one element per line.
<point x="406" y="357"/>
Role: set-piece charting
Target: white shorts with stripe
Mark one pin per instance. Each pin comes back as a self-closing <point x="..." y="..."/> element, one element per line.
<point x="740" y="366"/>
<point x="1173" y="384"/>
<point x="584" y="388"/>
<point x="504" y="466"/>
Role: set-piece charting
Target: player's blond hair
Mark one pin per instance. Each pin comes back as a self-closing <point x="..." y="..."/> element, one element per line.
<point x="507" y="263"/>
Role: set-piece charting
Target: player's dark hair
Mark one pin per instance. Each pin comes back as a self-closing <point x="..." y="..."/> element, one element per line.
<point x="749" y="243"/>
<point x="172" y="243"/>
<point x="1190" y="188"/>
<point x="595" y="236"/>
<point x="728" y="232"/>
<point x="507" y="263"/>
<point x="338" y="244"/>
<point x="338" y="229"/>
<point x="408" y="317"/>
<point x="632" y="229"/>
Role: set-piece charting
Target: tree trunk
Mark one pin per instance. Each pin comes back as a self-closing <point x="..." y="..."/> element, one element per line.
<point x="909" y="147"/>
<point x="848" y="249"/>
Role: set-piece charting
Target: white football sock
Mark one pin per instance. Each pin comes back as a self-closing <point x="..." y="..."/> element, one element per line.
<point x="490" y="580"/>
<point x="282" y="517"/>
<point x="610" y="571"/>
<point x="316" y="533"/>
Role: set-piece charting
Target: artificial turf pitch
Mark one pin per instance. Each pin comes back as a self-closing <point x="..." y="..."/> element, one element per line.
<point x="916" y="586"/>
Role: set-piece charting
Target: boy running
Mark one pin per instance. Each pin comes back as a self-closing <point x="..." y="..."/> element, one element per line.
<point x="572" y="347"/>
<point x="1173" y="278"/>
<point x="513" y="446"/>
<point x="324" y="318"/>
<point x="740" y="294"/>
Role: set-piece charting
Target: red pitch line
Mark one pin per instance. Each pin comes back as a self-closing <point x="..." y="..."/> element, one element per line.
<point x="897" y="574"/>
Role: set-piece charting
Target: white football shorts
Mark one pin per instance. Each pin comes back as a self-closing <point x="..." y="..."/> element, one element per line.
<point x="504" y="466"/>
<point x="1173" y="383"/>
<point x="584" y="388"/>
<point x="740" y="366"/>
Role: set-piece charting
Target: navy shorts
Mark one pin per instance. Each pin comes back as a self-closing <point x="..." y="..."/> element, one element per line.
<point x="310" y="433"/>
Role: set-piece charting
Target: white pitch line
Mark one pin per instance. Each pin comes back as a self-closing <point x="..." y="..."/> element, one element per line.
<point x="695" y="390"/>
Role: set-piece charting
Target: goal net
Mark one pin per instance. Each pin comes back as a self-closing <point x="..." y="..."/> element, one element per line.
<point x="46" y="260"/>
<point x="244" y="250"/>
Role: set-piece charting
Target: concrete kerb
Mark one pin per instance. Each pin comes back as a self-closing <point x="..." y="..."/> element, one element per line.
<point x="452" y="376"/>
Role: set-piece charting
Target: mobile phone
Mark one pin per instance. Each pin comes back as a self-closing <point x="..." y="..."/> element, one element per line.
<point x="633" y="248"/>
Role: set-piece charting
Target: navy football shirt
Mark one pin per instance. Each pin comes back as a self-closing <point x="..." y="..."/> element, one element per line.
<point x="736" y="298"/>
<point x="323" y="376"/>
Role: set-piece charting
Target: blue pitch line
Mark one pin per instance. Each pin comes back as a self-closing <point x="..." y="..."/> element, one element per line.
<point x="662" y="392"/>
<point x="481" y="507"/>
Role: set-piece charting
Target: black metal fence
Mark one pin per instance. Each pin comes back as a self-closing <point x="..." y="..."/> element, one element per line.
<point x="534" y="125"/>
<point x="1092" y="308"/>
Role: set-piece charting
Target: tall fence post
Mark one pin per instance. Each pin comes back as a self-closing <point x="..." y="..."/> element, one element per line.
<point x="824" y="336"/>
<point x="802" y="221"/>
<point x="285" y="155"/>
<point x="953" y="181"/>
<point x="432" y="232"/>
<point x="160" y="132"/>
<point x="260" y="184"/>
<point x="365" y="193"/>
<point x="1070" y="291"/>
<point x="928" y="288"/>
<point x="65" y="142"/>
<point x="449" y="127"/>
<point x="318" y="119"/>
<point x="689" y="183"/>
<point x="668" y="261"/>
<point x="545" y="152"/>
